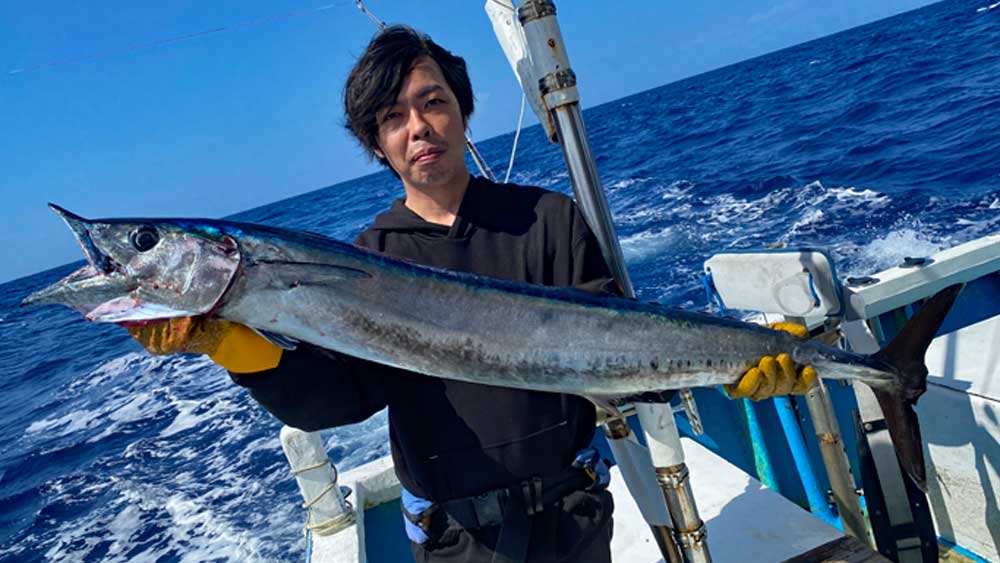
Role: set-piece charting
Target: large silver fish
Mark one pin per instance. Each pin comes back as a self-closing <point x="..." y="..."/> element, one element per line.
<point x="453" y="325"/>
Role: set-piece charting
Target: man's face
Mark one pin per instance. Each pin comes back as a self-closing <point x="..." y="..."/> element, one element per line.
<point x="422" y="135"/>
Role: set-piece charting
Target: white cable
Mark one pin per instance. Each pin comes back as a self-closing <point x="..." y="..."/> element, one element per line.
<point x="517" y="135"/>
<point x="375" y="20"/>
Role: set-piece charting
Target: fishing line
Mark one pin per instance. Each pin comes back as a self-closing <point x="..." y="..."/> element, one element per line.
<point x="175" y="39"/>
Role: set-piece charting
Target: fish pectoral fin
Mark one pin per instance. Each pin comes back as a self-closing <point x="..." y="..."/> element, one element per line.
<point x="289" y="275"/>
<point x="279" y="340"/>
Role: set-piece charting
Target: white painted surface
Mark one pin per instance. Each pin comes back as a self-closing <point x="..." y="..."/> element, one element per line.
<point x="640" y="484"/>
<point x="963" y="467"/>
<point x="372" y="484"/>
<point x="900" y="286"/>
<point x="317" y="479"/>
<point x="661" y="434"/>
<point x="746" y="521"/>
<point x="968" y="360"/>
<point x="776" y="282"/>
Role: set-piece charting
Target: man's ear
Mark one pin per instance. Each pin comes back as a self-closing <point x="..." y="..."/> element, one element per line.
<point x="378" y="153"/>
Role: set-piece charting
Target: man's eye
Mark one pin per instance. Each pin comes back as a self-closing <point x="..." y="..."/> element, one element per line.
<point x="390" y="116"/>
<point x="434" y="101"/>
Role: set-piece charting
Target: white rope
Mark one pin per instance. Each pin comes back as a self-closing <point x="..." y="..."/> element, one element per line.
<point x="517" y="135"/>
<point x="329" y="487"/>
<point x="330" y="525"/>
<point x="316" y="466"/>
<point x="375" y="20"/>
<point x="478" y="159"/>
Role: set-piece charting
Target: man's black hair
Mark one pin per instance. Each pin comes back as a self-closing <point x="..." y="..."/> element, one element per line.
<point x="377" y="78"/>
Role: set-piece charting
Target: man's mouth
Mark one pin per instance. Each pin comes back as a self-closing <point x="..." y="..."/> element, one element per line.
<point x="427" y="155"/>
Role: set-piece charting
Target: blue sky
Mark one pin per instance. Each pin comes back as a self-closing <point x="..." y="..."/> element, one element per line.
<point x="230" y="120"/>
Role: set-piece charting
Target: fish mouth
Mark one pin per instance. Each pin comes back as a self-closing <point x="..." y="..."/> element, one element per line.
<point x="102" y="276"/>
<point x="100" y="261"/>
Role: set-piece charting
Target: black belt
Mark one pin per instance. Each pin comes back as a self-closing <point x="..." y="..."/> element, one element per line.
<point x="508" y="507"/>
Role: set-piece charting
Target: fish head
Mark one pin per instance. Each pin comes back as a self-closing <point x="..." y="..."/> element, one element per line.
<point x="141" y="270"/>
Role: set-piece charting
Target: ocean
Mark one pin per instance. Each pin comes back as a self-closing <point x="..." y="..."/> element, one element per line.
<point x="880" y="142"/>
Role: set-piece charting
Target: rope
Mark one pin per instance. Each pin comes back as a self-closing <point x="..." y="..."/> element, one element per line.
<point x="316" y="466"/>
<point x="484" y="168"/>
<point x="378" y="23"/>
<point x="517" y="135"/>
<point x="329" y="487"/>
<point x="712" y="294"/>
<point x="330" y="525"/>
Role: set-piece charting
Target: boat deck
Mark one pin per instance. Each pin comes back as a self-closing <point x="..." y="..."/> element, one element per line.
<point x="844" y="550"/>
<point x="746" y="521"/>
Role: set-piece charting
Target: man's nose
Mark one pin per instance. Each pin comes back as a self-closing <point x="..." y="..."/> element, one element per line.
<point x="419" y="127"/>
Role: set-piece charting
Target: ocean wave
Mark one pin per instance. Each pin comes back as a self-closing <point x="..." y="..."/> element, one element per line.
<point x="119" y="455"/>
<point x="647" y="244"/>
<point x="890" y="250"/>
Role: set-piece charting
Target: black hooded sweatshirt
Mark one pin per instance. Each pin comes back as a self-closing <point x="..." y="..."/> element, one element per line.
<point x="452" y="439"/>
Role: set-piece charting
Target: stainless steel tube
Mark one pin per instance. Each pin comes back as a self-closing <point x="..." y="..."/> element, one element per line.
<point x="838" y="468"/>
<point x="588" y="189"/>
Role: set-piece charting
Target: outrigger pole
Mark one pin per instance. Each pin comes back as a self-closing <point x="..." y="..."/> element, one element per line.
<point x="534" y="45"/>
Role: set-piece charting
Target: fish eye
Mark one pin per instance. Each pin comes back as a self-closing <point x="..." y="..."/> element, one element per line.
<point x="144" y="238"/>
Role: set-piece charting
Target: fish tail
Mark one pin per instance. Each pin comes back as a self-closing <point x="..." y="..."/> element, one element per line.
<point x="905" y="353"/>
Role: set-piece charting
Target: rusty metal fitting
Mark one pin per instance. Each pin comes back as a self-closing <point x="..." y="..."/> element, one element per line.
<point x="559" y="80"/>
<point x="616" y="428"/>
<point x="672" y="477"/>
<point x="692" y="540"/>
<point x="535" y="9"/>
<point x="828" y="438"/>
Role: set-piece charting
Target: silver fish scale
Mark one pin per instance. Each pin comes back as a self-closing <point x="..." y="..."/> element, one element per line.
<point x="442" y="325"/>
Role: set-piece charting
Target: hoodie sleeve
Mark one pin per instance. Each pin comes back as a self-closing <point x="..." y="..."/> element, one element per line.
<point x="312" y="388"/>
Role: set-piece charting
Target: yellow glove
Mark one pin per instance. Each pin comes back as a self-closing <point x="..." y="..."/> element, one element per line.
<point x="774" y="375"/>
<point x="231" y="345"/>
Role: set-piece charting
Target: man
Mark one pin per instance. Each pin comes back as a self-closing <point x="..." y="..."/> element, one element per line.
<point x="489" y="473"/>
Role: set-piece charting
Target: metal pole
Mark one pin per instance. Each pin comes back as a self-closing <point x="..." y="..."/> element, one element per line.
<point x="664" y="442"/>
<point x="558" y="89"/>
<point x="835" y="460"/>
<point x="588" y="189"/>
<point x="634" y="462"/>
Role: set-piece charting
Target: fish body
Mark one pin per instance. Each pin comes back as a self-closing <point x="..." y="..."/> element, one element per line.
<point x="450" y="324"/>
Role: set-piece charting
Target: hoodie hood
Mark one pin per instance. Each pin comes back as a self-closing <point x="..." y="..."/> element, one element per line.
<point x="400" y="218"/>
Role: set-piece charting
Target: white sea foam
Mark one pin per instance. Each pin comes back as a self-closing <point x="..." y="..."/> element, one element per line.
<point x="194" y="527"/>
<point x="808" y="219"/>
<point x="647" y="244"/>
<point x="66" y="424"/>
<point x="191" y="413"/>
<point x="890" y="250"/>
<point x="852" y="196"/>
<point x="626" y="183"/>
